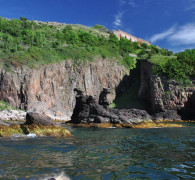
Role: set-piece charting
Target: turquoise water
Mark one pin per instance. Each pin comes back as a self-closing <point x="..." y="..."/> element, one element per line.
<point x="161" y="153"/>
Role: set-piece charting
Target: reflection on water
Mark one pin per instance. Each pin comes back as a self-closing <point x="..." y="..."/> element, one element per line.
<point x="167" y="153"/>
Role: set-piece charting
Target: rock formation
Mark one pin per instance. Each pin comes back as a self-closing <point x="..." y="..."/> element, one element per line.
<point x="87" y="110"/>
<point x="49" y="89"/>
<point x="166" y="96"/>
<point x="10" y="114"/>
<point x="38" y="119"/>
<point x="103" y="98"/>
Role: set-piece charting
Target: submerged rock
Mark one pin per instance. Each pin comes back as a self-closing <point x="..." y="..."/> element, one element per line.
<point x="87" y="110"/>
<point x="55" y="131"/>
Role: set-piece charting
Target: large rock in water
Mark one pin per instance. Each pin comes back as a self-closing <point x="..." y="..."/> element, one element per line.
<point x="87" y="110"/>
<point x="33" y="118"/>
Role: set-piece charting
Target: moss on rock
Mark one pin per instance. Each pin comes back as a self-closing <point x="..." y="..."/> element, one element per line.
<point x="124" y="125"/>
<point x="55" y="131"/>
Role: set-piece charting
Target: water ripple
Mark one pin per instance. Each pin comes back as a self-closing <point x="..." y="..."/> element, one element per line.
<point x="102" y="154"/>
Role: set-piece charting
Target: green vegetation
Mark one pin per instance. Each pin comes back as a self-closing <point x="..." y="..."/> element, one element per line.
<point x="33" y="43"/>
<point x="100" y="27"/>
<point x="160" y="59"/>
<point x="180" y="68"/>
<point x="130" y="98"/>
<point x="5" y="106"/>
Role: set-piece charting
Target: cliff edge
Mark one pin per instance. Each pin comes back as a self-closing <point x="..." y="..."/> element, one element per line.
<point x="50" y="88"/>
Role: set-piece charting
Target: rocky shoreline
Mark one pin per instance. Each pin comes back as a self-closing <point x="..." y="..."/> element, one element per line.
<point x="12" y="115"/>
<point x="49" y="90"/>
<point x="38" y="124"/>
<point x="90" y="112"/>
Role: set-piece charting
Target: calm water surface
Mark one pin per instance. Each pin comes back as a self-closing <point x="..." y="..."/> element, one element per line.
<point x="164" y="153"/>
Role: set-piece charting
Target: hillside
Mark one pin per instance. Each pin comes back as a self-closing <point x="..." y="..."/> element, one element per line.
<point x="34" y="43"/>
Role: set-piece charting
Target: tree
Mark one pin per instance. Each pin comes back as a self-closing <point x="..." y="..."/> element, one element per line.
<point x="100" y="27"/>
<point x="130" y="61"/>
<point x="23" y="19"/>
<point x="28" y="36"/>
<point x="88" y="38"/>
<point x="126" y="45"/>
<point x="113" y="39"/>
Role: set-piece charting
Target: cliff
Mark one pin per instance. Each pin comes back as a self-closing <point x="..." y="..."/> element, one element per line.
<point x="165" y="95"/>
<point x="49" y="89"/>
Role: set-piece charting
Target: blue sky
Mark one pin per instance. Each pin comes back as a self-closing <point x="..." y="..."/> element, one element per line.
<point x="166" y="23"/>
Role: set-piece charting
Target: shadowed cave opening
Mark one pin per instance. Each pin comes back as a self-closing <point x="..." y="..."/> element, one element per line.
<point x="127" y="92"/>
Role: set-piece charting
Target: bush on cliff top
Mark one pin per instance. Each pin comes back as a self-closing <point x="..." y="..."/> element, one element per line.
<point x="31" y="43"/>
<point x="182" y="68"/>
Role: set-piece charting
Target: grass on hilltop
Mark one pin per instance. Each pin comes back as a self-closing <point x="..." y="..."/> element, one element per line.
<point x="159" y="59"/>
<point x="34" y="44"/>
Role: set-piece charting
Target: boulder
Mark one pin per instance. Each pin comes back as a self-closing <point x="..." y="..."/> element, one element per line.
<point x="167" y="115"/>
<point x="38" y="119"/>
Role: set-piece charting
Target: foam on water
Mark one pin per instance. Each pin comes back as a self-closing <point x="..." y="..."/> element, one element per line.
<point x="175" y="170"/>
<point x="18" y="136"/>
<point x="61" y="176"/>
<point x="32" y="135"/>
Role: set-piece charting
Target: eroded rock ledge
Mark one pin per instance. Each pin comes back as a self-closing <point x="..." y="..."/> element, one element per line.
<point x="87" y="110"/>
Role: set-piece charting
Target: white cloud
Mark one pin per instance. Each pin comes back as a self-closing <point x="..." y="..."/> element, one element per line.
<point x="162" y="35"/>
<point x="191" y="5"/>
<point x="132" y="3"/>
<point x="119" y="16"/>
<point x="121" y="2"/>
<point x="185" y="35"/>
<point x="118" y="19"/>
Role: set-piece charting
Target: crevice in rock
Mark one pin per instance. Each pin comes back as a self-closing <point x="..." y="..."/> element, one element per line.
<point x="127" y="92"/>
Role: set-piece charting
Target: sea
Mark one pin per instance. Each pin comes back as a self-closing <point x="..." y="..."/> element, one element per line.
<point x="101" y="153"/>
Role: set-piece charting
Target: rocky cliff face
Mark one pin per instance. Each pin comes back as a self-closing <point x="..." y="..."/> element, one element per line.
<point x="164" y="95"/>
<point x="50" y="88"/>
